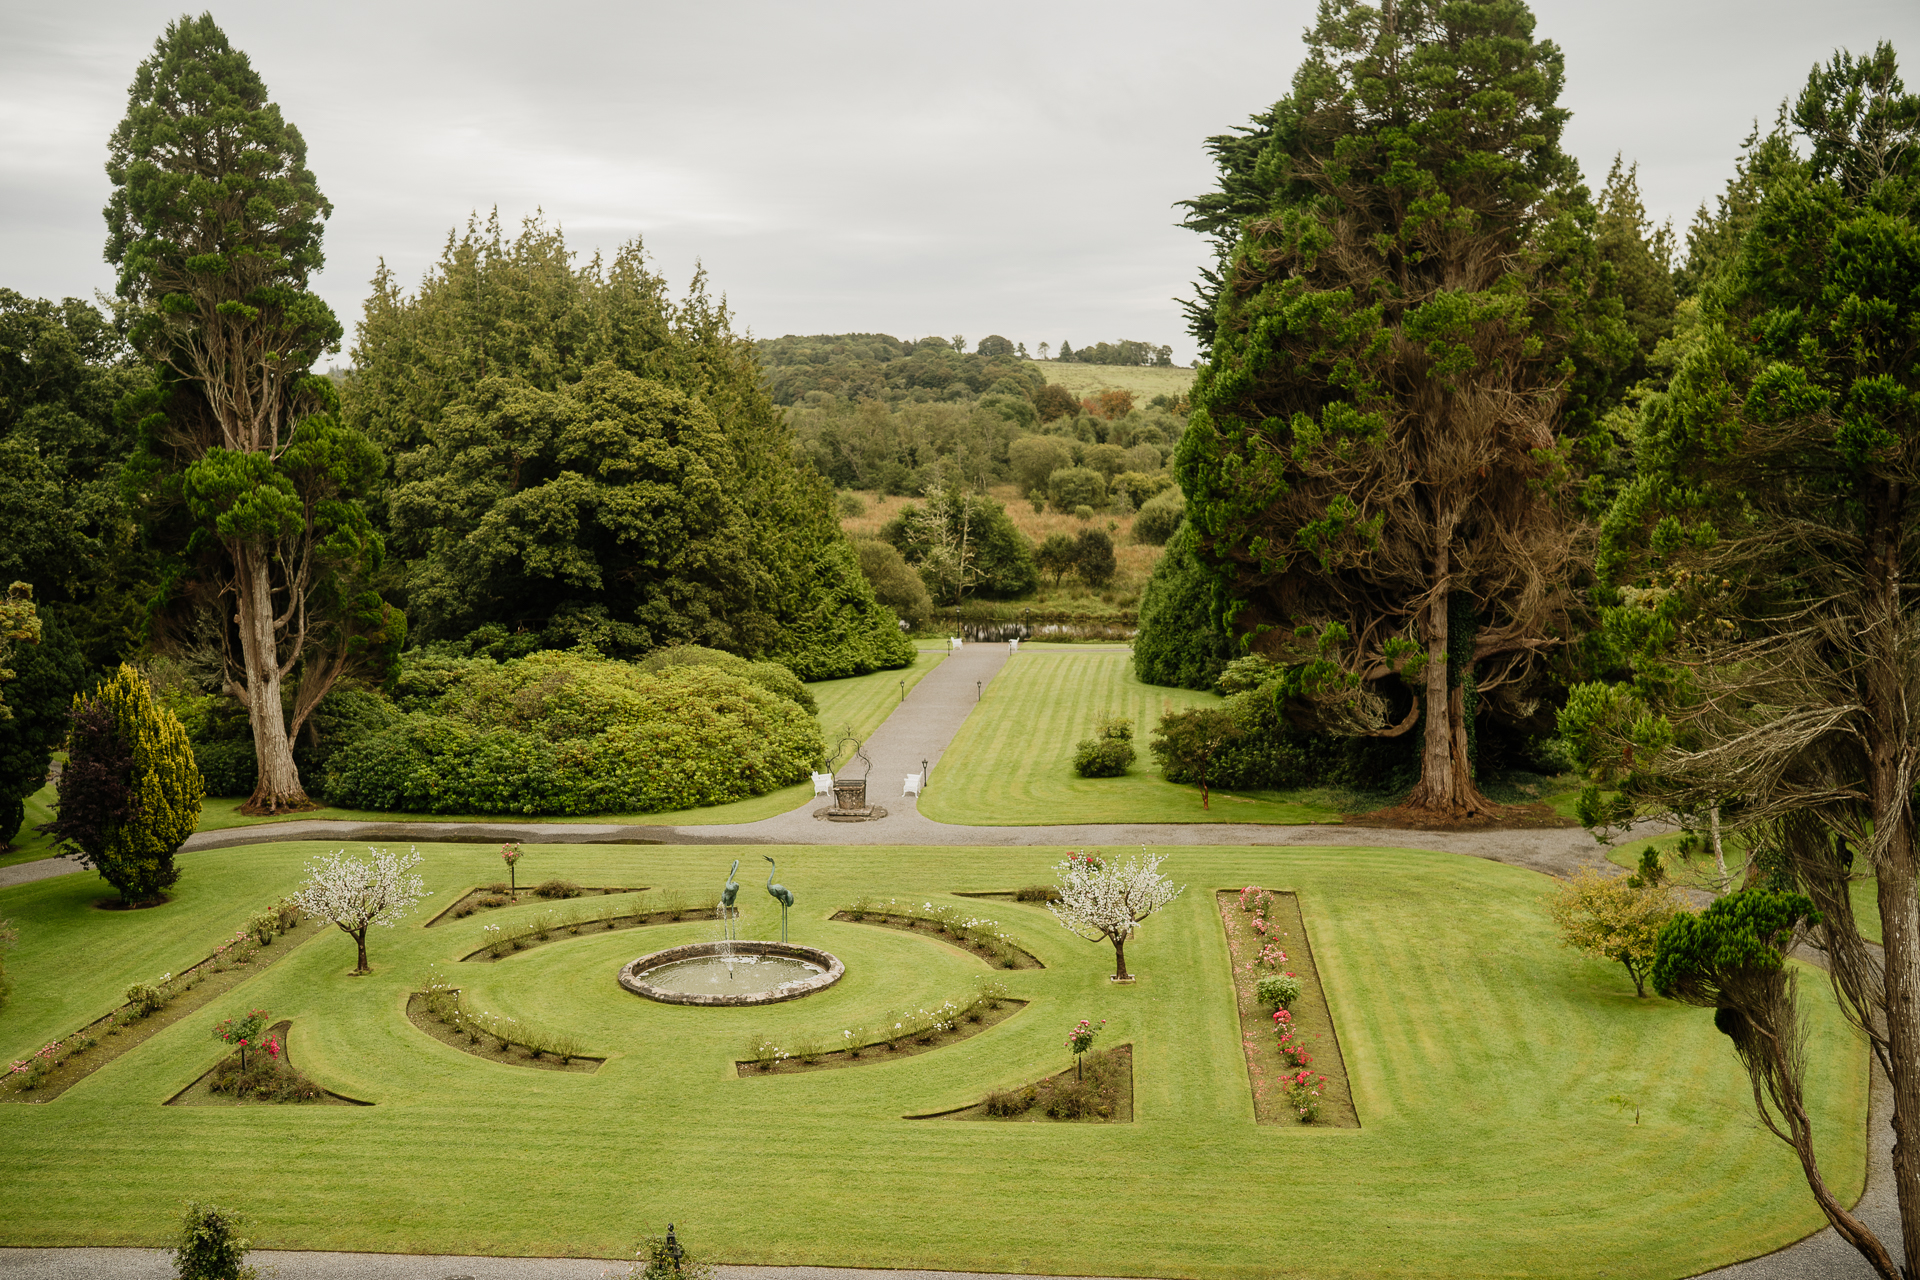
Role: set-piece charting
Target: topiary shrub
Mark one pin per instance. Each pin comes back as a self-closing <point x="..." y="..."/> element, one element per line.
<point x="130" y="793"/>
<point x="564" y="734"/>
<point x="1277" y="990"/>
<point x="1109" y="753"/>
<point x="557" y="889"/>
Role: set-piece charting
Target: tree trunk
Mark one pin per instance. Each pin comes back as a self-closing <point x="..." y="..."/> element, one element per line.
<point x="1120" y="958"/>
<point x="1446" y="786"/>
<point x="1719" y="852"/>
<point x="278" y="789"/>
<point x="1898" y="881"/>
<point x="360" y="940"/>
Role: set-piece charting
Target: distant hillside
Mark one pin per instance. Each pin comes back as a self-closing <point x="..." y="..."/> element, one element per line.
<point x="1145" y="381"/>
<point x="874" y="412"/>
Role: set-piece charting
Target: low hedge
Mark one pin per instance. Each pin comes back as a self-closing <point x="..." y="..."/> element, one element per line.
<point x="566" y="734"/>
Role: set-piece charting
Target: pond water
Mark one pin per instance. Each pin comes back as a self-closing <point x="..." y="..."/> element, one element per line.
<point x="739" y="976"/>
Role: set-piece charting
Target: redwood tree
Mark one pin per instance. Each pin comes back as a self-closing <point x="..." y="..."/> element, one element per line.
<point x="1405" y="314"/>
<point x="215" y="225"/>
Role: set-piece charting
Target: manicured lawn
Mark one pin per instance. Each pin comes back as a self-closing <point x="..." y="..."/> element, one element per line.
<point x="1481" y="1055"/>
<point x="860" y="701"/>
<point x="29" y="845"/>
<point x="1011" y="764"/>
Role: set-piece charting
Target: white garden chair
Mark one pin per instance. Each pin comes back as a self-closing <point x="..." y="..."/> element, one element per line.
<point x="1013" y="645"/>
<point x="913" y="786"/>
<point x="953" y="644"/>
<point x="822" y="783"/>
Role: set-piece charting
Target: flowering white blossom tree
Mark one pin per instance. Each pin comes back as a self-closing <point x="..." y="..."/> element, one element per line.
<point x="356" y="895"/>
<point x="1099" y="899"/>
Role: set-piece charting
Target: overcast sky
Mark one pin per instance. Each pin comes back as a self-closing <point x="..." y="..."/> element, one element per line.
<point x="838" y="167"/>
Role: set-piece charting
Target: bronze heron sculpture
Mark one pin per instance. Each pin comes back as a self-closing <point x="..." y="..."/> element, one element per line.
<point x="781" y="894"/>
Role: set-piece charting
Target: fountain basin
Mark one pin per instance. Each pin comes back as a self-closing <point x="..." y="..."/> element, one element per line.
<point x="763" y="973"/>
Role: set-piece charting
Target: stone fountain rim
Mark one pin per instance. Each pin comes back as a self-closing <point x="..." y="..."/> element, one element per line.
<point x="834" y="971"/>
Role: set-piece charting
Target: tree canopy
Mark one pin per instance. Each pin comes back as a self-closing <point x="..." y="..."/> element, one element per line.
<point x="575" y="457"/>
<point x="1407" y="324"/>
<point x="215" y="225"/>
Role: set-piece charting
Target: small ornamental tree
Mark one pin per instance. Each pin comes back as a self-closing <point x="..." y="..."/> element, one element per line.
<point x="510" y="853"/>
<point x="210" y="1246"/>
<point x="130" y="794"/>
<point x="356" y="895"/>
<point x="1187" y="742"/>
<point x="1614" y="918"/>
<point x="243" y="1032"/>
<point x="1081" y="1039"/>
<point x="1099" y="899"/>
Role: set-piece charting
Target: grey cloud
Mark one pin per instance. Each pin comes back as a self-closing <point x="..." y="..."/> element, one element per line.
<point x="866" y="166"/>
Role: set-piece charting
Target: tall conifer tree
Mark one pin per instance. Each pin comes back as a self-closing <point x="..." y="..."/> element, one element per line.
<point x="215" y="225"/>
<point x="1404" y="320"/>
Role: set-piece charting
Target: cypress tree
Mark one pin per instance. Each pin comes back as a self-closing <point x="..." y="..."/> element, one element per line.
<point x="131" y="793"/>
<point x="1408" y="325"/>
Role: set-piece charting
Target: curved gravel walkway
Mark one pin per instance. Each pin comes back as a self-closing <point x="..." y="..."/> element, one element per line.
<point x="920" y="729"/>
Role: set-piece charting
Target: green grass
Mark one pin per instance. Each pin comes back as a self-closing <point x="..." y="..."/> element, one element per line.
<point x="29" y="845"/>
<point x="1700" y="872"/>
<point x="1011" y="764"/>
<point x="860" y="701"/>
<point x="1481" y="1055"/>
<point x="1145" y="381"/>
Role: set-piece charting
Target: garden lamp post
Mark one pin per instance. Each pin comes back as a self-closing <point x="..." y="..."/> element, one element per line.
<point x="674" y="1251"/>
<point x="903" y="691"/>
<point x="977" y="684"/>
<point x="923" y="773"/>
<point x="1026" y="624"/>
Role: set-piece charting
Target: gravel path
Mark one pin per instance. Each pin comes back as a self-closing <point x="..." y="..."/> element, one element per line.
<point x="920" y="729"/>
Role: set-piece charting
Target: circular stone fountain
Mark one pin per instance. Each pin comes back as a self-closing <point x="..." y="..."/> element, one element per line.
<point x="704" y="973"/>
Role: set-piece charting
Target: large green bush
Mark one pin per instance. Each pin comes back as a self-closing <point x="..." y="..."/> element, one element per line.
<point x="771" y="676"/>
<point x="1072" y="487"/>
<point x="1159" y="518"/>
<point x="566" y="734"/>
<point x="1179" y="644"/>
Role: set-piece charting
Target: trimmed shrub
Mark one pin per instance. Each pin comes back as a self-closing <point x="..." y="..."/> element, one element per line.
<point x="558" y="889"/>
<point x="1109" y="753"/>
<point x="1037" y="893"/>
<point x="560" y="733"/>
<point x="130" y="794"/>
<point x="1277" y="990"/>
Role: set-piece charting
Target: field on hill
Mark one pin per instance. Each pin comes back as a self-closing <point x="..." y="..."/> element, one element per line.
<point x="1145" y="381"/>
<point x="1133" y="561"/>
<point x="1485" y="1061"/>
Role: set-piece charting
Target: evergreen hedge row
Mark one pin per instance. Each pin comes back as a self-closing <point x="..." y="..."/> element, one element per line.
<point x="566" y="734"/>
